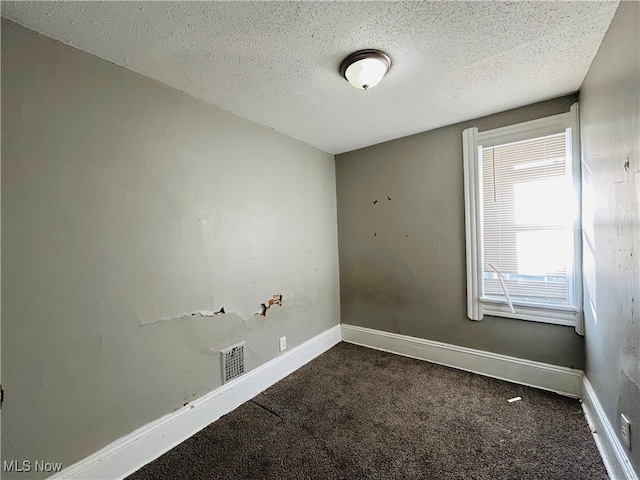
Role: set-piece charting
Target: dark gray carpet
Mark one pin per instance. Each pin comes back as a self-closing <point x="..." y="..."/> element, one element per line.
<point x="356" y="413"/>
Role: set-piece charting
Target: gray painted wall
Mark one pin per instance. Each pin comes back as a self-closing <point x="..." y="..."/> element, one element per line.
<point x="610" y="121"/>
<point x="402" y="261"/>
<point x="128" y="206"/>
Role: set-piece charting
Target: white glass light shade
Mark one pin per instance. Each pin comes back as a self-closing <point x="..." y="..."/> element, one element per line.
<point x="366" y="73"/>
<point x="364" y="69"/>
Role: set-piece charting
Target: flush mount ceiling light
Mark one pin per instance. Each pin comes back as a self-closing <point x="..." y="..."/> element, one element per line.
<point x="365" y="68"/>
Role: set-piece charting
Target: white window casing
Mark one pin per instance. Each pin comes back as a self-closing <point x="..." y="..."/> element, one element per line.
<point x="522" y="195"/>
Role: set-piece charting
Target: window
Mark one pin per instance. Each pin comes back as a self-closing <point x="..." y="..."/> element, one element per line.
<point x="522" y="206"/>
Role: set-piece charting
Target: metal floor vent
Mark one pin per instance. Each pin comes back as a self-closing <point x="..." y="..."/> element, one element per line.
<point x="232" y="362"/>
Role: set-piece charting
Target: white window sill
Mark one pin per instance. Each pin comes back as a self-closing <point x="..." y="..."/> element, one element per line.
<point x="554" y="314"/>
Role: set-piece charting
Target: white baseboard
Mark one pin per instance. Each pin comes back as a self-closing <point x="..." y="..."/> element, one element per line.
<point x="613" y="454"/>
<point x="565" y="381"/>
<point x="131" y="452"/>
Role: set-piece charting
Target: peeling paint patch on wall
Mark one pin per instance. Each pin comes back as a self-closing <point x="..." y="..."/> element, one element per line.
<point x="208" y="313"/>
<point x="274" y="300"/>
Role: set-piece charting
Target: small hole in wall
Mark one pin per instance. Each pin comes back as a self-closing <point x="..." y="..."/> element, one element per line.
<point x="274" y="300"/>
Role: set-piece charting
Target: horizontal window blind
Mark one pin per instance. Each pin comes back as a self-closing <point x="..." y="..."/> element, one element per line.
<point x="527" y="227"/>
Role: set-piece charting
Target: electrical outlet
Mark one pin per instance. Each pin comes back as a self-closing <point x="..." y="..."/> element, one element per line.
<point x="625" y="430"/>
<point x="283" y="344"/>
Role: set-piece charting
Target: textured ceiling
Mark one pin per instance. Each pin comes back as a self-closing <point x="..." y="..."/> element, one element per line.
<point x="276" y="63"/>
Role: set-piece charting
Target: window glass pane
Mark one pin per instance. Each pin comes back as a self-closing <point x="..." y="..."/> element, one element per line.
<point x="527" y="228"/>
<point x="543" y="252"/>
<point x="542" y="202"/>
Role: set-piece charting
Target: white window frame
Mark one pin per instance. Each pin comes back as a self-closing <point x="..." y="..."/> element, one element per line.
<point x="477" y="304"/>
